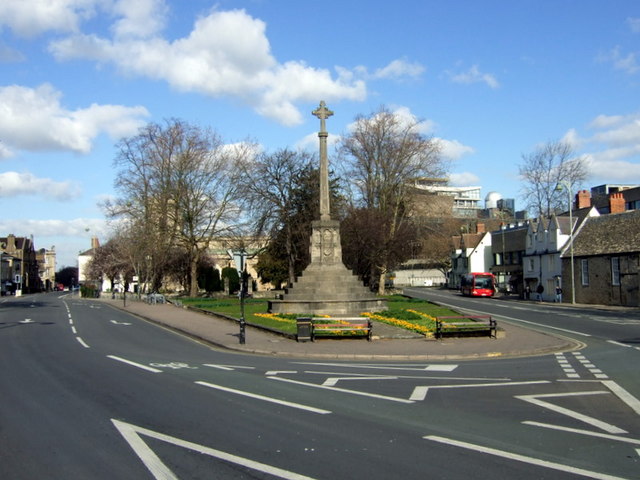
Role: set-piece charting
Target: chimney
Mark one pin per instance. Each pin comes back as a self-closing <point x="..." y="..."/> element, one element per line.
<point x="95" y="243"/>
<point x="11" y="243"/>
<point x="480" y="228"/>
<point x="616" y="203"/>
<point x="583" y="199"/>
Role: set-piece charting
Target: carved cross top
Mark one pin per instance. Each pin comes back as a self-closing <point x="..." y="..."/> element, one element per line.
<point x="322" y="112"/>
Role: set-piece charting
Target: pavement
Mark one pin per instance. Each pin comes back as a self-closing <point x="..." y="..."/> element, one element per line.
<point x="389" y="343"/>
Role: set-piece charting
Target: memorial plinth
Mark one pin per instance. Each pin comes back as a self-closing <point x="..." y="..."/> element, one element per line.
<point x="326" y="287"/>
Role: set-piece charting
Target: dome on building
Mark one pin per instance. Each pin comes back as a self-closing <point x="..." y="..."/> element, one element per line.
<point x="491" y="200"/>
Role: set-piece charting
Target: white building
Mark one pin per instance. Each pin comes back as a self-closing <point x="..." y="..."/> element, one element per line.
<point x="472" y="253"/>
<point x="546" y="240"/>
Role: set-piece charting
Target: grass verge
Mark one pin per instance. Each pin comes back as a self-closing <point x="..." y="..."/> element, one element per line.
<point x="408" y="313"/>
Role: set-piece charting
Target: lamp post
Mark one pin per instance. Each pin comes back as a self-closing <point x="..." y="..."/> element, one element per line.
<point x="239" y="257"/>
<point x="567" y="187"/>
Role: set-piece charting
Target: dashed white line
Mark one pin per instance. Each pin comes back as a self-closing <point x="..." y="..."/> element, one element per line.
<point x="82" y="342"/>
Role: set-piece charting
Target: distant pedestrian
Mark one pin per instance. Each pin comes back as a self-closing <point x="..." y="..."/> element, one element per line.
<point x="558" y="294"/>
<point x="540" y="291"/>
<point x="527" y="292"/>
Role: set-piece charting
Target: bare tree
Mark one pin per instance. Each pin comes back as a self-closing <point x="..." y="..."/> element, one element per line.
<point x="384" y="153"/>
<point x="178" y="186"/>
<point x="543" y="170"/>
<point x="277" y="194"/>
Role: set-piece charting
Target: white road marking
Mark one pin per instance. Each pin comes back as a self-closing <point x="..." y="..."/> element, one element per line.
<point x="419" y="377"/>
<point x="115" y="322"/>
<point x="332" y="381"/>
<point x="583" y="432"/>
<point x="623" y="395"/>
<point x="82" y="342"/>
<point x="26" y="320"/>
<point x="174" y="365"/>
<point x="618" y="343"/>
<point x="535" y="399"/>
<point x="134" y="364"/>
<point x="73" y="329"/>
<point x="522" y="458"/>
<point x="226" y="367"/>
<point x="266" y="399"/>
<point x="377" y="366"/>
<point x="420" y="392"/>
<point x="278" y="372"/>
<point x="344" y="390"/>
<point x="160" y="471"/>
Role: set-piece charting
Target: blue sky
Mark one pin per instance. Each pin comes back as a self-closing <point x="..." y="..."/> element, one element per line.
<point x="490" y="80"/>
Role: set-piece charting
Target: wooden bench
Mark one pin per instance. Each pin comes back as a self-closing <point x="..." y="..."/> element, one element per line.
<point x="466" y="325"/>
<point x="361" y="327"/>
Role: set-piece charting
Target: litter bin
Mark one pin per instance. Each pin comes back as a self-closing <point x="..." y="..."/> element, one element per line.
<point x="305" y="328"/>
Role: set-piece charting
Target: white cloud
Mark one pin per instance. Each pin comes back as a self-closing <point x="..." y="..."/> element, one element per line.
<point x="453" y="149"/>
<point x="613" y="148"/>
<point x="405" y="118"/>
<point x="8" y="54"/>
<point x="617" y="131"/>
<point x="140" y="18"/>
<point x="464" y="179"/>
<point x="610" y="166"/>
<point x="69" y="237"/>
<point x="399" y="68"/>
<point x="214" y="60"/>
<point x="311" y="143"/>
<point x="14" y="184"/>
<point x="634" y="24"/>
<point x="79" y="227"/>
<point x="29" y="18"/>
<point x="474" y="75"/>
<point x="35" y="120"/>
<point x="621" y="61"/>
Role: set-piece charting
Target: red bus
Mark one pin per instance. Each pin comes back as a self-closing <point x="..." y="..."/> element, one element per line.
<point x="478" y="284"/>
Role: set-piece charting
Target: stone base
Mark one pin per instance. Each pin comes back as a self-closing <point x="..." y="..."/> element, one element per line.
<point x="328" y="290"/>
<point x="344" y="308"/>
<point x="327" y="287"/>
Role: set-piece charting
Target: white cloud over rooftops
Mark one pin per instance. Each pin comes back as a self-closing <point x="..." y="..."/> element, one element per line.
<point x="464" y="179"/>
<point x="453" y="149"/>
<point x="612" y="148"/>
<point x="35" y="120"/>
<point x="15" y="184"/>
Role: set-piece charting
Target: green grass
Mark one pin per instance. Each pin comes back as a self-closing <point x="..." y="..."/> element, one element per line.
<point x="401" y="312"/>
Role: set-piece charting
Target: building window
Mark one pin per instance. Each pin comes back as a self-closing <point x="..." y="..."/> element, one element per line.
<point x="531" y="265"/>
<point x="615" y="270"/>
<point x="585" y="272"/>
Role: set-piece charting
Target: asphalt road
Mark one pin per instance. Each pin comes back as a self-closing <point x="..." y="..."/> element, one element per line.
<point x="87" y="391"/>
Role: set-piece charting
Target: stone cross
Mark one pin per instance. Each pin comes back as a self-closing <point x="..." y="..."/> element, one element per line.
<point x="322" y="112"/>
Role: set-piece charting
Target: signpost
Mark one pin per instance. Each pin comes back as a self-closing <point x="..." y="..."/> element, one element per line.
<point x="239" y="259"/>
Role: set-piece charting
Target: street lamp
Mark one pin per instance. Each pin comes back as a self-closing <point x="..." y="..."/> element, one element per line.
<point x="567" y="187"/>
<point x="239" y="257"/>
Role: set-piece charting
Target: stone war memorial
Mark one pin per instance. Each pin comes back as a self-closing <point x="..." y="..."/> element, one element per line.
<point x="326" y="287"/>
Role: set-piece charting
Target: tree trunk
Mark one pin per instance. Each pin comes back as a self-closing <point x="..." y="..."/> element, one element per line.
<point x="193" y="289"/>
<point x="383" y="274"/>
